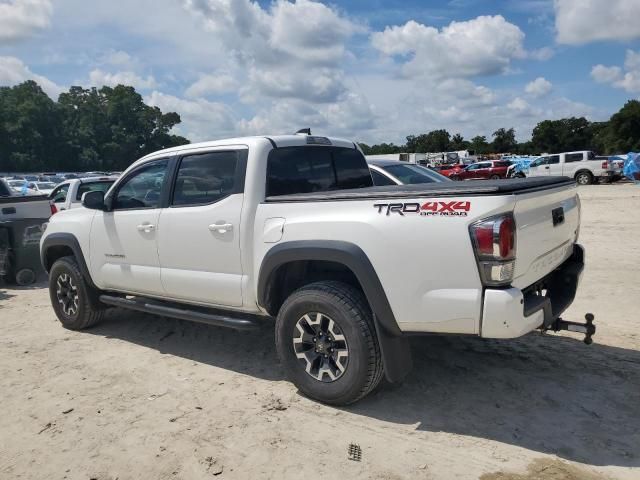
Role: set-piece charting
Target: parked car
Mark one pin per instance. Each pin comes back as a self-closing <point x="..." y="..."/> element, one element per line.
<point x="19" y="186"/>
<point x="395" y="172"/>
<point x="69" y="193"/>
<point x="43" y="188"/>
<point x="487" y="170"/>
<point x="235" y="232"/>
<point x="583" y="166"/>
<point x="449" y="169"/>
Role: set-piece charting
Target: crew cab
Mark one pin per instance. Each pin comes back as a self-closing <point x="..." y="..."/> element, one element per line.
<point x="490" y="169"/>
<point x="239" y="232"/>
<point x="68" y="194"/>
<point x="583" y="166"/>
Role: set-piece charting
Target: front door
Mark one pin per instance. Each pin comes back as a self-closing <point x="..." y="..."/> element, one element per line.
<point x="124" y="253"/>
<point x="555" y="167"/>
<point x="199" y="234"/>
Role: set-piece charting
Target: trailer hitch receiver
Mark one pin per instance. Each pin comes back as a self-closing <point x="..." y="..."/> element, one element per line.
<point x="588" y="328"/>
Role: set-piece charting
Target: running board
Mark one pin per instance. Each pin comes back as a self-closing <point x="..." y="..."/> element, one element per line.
<point x="157" y="308"/>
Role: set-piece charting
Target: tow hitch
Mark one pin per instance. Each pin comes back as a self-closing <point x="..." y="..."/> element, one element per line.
<point x="588" y="328"/>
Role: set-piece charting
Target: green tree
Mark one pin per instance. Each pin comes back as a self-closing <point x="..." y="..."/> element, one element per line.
<point x="563" y="135"/>
<point x="434" y="141"/>
<point x="479" y="145"/>
<point x="30" y="133"/>
<point x="504" y="140"/>
<point x="623" y="131"/>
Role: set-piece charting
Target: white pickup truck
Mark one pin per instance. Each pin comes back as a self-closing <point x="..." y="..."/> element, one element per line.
<point x="583" y="166"/>
<point x="236" y="232"/>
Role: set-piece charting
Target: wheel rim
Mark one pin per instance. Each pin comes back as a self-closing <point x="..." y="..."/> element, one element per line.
<point x="321" y="347"/>
<point x="583" y="179"/>
<point x="67" y="294"/>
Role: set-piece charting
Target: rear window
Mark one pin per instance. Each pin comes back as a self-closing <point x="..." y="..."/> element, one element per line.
<point x="293" y="170"/>
<point x="93" y="187"/>
<point x="573" y="157"/>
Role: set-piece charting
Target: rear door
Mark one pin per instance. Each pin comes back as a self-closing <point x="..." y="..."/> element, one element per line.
<point x="199" y="233"/>
<point x="483" y="171"/>
<point x="570" y="165"/>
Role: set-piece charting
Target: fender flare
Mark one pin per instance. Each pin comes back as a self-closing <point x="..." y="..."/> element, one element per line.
<point x="62" y="239"/>
<point x="394" y="346"/>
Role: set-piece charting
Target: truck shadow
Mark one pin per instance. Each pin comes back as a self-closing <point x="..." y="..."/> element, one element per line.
<point x="548" y="394"/>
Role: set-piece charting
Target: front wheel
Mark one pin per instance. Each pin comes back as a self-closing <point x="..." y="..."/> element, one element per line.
<point x="455" y="178"/>
<point x="494" y="177"/>
<point x="70" y="296"/>
<point x="326" y="341"/>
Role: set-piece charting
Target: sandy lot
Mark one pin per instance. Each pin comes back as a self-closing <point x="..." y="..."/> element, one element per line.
<point x="143" y="397"/>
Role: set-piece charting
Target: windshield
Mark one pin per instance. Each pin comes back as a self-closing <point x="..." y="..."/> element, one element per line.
<point x="46" y="185"/>
<point x="16" y="183"/>
<point x="412" y="174"/>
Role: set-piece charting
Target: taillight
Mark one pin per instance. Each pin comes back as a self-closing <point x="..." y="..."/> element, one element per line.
<point x="605" y="164"/>
<point x="494" y="241"/>
<point x="54" y="209"/>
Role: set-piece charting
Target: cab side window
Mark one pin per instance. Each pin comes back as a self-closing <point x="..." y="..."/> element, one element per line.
<point x="381" y="180"/>
<point x="573" y="157"/>
<point x="142" y="189"/>
<point x="206" y="178"/>
<point x="553" y="160"/>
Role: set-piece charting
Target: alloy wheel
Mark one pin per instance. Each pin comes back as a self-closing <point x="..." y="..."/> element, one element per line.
<point x="320" y="346"/>
<point x="67" y="294"/>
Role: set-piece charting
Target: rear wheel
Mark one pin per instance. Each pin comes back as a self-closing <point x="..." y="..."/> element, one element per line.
<point x="327" y="343"/>
<point x="495" y="177"/>
<point x="71" y="296"/>
<point x="584" y="178"/>
<point x="455" y="178"/>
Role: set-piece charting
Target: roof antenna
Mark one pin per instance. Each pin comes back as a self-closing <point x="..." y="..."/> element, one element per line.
<point x="306" y="131"/>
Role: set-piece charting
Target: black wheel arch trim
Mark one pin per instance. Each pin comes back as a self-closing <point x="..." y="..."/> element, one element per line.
<point x="62" y="239"/>
<point x="395" y="349"/>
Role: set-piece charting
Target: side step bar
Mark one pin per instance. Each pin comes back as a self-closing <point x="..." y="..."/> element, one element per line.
<point x="181" y="312"/>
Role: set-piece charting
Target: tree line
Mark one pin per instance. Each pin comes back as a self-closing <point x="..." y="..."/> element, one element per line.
<point x="108" y="128"/>
<point x="620" y="134"/>
<point x="102" y="129"/>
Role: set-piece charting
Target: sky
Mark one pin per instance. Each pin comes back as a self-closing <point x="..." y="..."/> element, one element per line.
<point x="370" y="70"/>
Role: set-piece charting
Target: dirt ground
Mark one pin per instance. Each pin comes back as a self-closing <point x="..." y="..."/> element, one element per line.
<point x="143" y="397"/>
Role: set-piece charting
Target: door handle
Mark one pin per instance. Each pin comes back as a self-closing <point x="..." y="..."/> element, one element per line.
<point x="546" y="168"/>
<point x="146" y="227"/>
<point x="221" y="227"/>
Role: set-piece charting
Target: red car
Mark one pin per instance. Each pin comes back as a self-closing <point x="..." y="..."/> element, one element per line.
<point x="490" y="169"/>
<point x="448" y="170"/>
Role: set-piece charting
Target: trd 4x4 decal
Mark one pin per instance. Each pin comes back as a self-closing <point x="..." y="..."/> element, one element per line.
<point x="454" y="208"/>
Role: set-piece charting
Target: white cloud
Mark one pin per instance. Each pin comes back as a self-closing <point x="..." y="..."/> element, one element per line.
<point x="522" y="108"/>
<point x="21" y="18"/>
<point x="584" y="21"/>
<point x="98" y="78"/>
<point x="482" y="46"/>
<point x="201" y="119"/>
<point x="629" y="80"/>
<point x="542" y="54"/>
<point x="538" y="87"/>
<point x="14" y="71"/>
<point x="291" y="50"/>
<point x="213" y="84"/>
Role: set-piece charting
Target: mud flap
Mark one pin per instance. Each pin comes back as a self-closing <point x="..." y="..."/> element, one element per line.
<point x="396" y="354"/>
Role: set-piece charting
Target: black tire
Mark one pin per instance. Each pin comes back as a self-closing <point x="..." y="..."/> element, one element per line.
<point x="74" y="313"/>
<point x="495" y="177"/>
<point x="584" y="178"/>
<point x="455" y="178"/>
<point x="348" y="308"/>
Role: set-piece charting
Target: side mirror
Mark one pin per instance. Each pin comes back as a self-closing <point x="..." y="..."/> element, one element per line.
<point x="94" y="200"/>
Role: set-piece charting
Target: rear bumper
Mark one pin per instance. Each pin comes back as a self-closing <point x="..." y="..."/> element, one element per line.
<point x="511" y="312"/>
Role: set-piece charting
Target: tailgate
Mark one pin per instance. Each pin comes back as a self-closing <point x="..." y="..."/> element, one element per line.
<point x="542" y="242"/>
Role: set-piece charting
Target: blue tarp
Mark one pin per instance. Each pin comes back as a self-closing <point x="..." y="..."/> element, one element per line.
<point x="522" y="163"/>
<point x="631" y="167"/>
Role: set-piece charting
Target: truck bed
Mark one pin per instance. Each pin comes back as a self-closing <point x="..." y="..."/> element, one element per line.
<point x="446" y="189"/>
